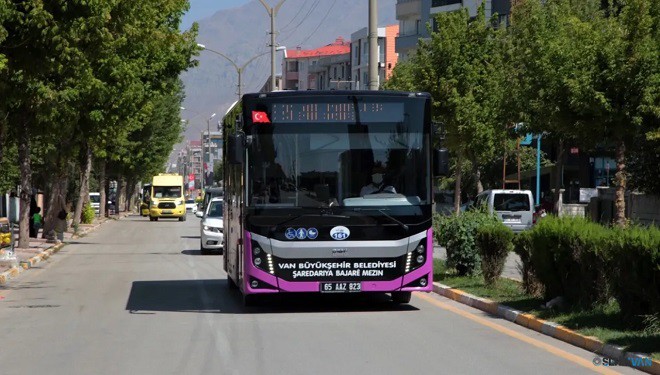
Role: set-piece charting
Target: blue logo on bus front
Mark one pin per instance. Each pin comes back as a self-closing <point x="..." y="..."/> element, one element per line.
<point x="301" y="233"/>
<point x="340" y="233"/>
<point x="290" y="234"/>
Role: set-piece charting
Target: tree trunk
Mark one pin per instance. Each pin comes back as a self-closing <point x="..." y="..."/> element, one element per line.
<point x="26" y="187"/>
<point x="83" y="195"/>
<point x="121" y="196"/>
<point x="559" y="169"/>
<point x="621" y="179"/>
<point x="130" y="191"/>
<point x="457" y="187"/>
<point x="104" y="198"/>
<point x="477" y="178"/>
<point x="58" y="189"/>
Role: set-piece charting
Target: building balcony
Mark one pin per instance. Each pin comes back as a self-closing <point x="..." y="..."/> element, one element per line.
<point x="406" y="42"/>
<point x="406" y="8"/>
<point x="291" y="76"/>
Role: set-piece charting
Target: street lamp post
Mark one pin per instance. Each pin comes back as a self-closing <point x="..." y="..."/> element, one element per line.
<point x="272" y="12"/>
<point x="208" y="139"/>
<point x="239" y="69"/>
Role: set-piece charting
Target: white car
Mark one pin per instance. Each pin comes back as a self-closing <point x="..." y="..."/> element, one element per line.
<point x="191" y="206"/>
<point x="211" y="227"/>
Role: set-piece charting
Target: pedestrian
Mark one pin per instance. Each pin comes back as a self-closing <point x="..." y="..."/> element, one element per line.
<point x="37" y="220"/>
<point x="33" y="209"/>
<point x="60" y="221"/>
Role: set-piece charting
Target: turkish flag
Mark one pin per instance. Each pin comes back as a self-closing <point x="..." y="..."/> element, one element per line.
<point x="260" y="117"/>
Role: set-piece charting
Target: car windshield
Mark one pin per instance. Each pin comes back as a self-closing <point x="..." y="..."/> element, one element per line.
<point x="215" y="209"/>
<point x="95" y="198"/>
<point x="190" y="201"/>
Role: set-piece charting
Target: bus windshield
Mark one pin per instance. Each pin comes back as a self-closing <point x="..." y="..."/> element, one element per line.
<point x="167" y="191"/>
<point x="349" y="165"/>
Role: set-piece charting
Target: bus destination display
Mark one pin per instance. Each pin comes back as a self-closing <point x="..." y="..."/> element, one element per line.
<point x="337" y="112"/>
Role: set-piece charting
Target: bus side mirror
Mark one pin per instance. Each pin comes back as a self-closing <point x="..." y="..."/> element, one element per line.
<point x="236" y="149"/>
<point x="441" y="162"/>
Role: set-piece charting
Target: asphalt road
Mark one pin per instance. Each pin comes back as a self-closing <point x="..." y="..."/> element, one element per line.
<point x="136" y="297"/>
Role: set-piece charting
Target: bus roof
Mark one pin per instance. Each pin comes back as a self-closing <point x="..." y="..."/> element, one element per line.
<point x="167" y="180"/>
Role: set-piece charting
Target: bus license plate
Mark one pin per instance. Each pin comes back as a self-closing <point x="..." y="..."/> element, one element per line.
<point x="340" y="287"/>
<point x="167" y="211"/>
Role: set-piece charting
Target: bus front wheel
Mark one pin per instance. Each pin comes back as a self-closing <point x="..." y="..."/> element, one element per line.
<point x="401" y="297"/>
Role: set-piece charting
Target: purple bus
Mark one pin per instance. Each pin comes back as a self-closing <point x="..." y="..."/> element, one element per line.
<point x="330" y="192"/>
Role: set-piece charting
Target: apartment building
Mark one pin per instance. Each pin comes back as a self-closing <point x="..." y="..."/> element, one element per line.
<point x="387" y="56"/>
<point x="416" y="16"/>
<point x="189" y="162"/>
<point x="303" y="69"/>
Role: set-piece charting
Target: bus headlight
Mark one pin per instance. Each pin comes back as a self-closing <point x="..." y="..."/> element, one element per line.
<point x="178" y="202"/>
<point x="416" y="257"/>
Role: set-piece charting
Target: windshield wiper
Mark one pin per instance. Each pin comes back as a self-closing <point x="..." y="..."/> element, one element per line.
<point x="404" y="226"/>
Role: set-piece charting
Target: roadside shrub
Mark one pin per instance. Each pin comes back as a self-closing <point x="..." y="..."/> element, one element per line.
<point x="494" y="241"/>
<point x="522" y="245"/>
<point x="440" y="228"/>
<point x="88" y="214"/>
<point x="458" y="235"/>
<point x="633" y="262"/>
<point x="568" y="259"/>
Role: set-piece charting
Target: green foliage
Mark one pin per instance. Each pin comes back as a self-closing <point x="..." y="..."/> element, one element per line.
<point x="9" y="173"/>
<point x="633" y="263"/>
<point x="494" y="241"/>
<point x="643" y="165"/>
<point x="522" y="245"/>
<point x="568" y="258"/>
<point x="458" y="235"/>
<point x="461" y="66"/>
<point x="88" y="214"/>
<point x="218" y="171"/>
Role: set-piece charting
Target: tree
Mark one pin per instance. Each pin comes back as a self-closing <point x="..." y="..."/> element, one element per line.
<point x="461" y="66"/>
<point x="628" y="83"/>
<point x="552" y="62"/>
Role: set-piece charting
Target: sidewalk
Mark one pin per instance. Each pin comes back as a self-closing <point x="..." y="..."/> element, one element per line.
<point x="40" y="250"/>
<point x="511" y="270"/>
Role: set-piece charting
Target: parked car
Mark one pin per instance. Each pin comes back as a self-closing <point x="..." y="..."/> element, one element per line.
<point x="211" y="227"/>
<point x="191" y="206"/>
<point x="514" y="207"/>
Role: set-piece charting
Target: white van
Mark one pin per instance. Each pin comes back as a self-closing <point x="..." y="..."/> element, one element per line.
<point x="95" y="201"/>
<point x="514" y="207"/>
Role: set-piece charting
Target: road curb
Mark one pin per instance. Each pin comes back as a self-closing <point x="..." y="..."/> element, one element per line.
<point x="25" y="265"/>
<point x="548" y="328"/>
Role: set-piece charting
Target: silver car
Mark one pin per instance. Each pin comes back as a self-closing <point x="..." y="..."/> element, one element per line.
<point x="211" y="227"/>
<point x="514" y="207"/>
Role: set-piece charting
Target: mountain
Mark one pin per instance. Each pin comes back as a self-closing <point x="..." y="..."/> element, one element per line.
<point x="242" y="33"/>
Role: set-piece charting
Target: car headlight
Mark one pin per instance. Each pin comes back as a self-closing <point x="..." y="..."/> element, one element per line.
<point x="178" y="202"/>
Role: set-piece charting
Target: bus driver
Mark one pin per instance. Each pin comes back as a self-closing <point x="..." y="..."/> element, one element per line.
<point x="377" y="185"/>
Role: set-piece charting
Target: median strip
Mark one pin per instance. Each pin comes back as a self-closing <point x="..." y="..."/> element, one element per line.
<point x="557" y="331"/>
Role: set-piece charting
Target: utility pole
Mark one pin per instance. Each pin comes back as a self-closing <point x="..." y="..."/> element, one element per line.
<point x="373" y="45"/>
<point x="272" y="12"/>
<point x="208" y="147"/>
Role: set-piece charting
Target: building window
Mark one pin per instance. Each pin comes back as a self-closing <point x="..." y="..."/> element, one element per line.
<point x="292" y="66"/>
<point x="335" y="72"/>
<point x="441" y="3"/>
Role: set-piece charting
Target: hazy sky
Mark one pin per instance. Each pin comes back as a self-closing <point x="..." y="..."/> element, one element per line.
<point x="200" y="9"/>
